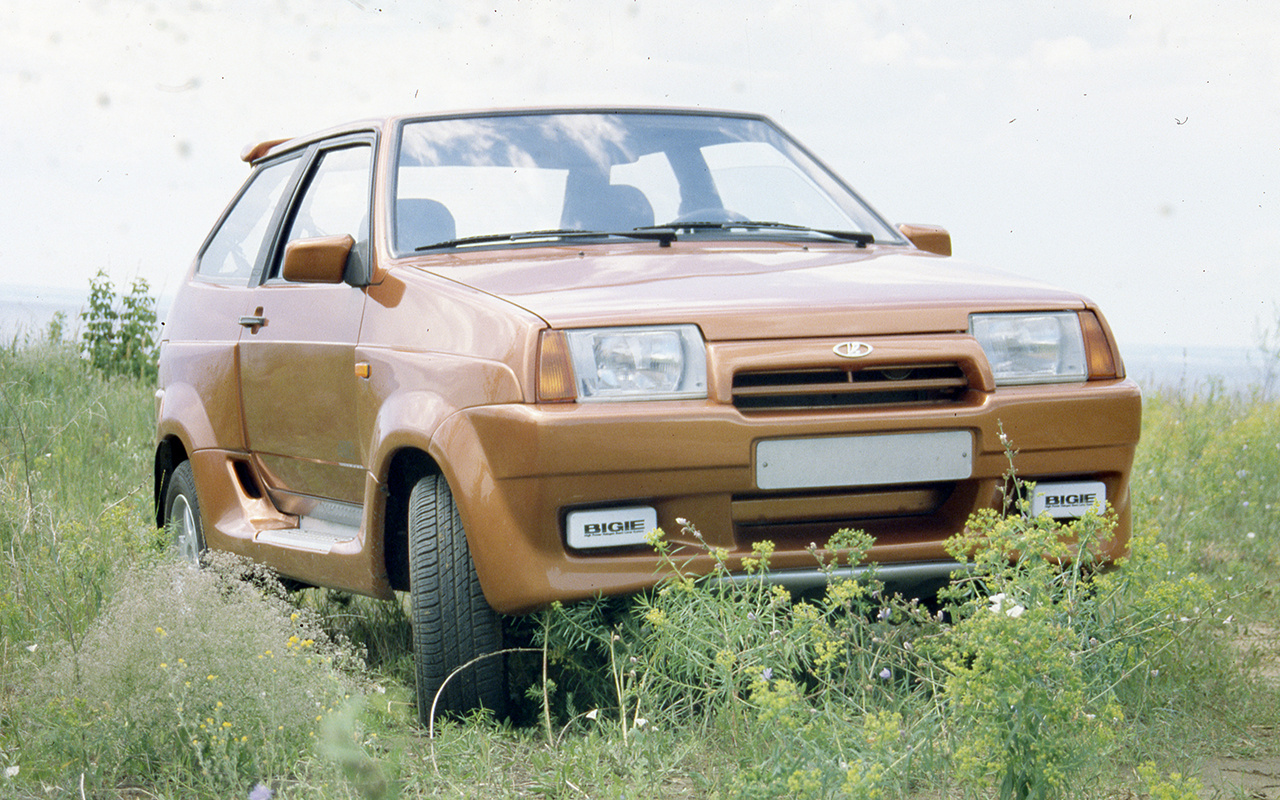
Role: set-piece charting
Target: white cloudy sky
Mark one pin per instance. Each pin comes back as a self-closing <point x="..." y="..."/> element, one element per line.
<point x="1129" y="149"/>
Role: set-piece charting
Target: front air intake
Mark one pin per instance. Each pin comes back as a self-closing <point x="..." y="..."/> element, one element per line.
<point x="803" y="389"/>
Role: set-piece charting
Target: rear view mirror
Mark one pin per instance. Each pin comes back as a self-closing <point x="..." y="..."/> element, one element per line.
<point x="929" y="238"/>
<point x="319" y="260"/>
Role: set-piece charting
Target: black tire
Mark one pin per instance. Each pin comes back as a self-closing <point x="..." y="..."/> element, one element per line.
<point x="452" y="622"/>
<point x="182" y="515"/>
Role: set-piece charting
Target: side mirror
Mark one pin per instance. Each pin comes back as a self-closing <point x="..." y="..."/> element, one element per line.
<point x="319" y="260"/>
<point x="929" y="238"/>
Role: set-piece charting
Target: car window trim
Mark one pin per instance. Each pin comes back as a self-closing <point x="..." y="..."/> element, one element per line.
<point x="311" y="156"/>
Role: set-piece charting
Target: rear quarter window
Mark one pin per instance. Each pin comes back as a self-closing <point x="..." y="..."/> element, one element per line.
<point x="235" y="247"/>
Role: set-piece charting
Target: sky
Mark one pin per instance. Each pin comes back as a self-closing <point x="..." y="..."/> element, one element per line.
<point x="1125" y="149"/>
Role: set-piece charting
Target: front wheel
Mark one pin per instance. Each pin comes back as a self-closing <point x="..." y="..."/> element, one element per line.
<point x="452" y="622"/>
<point x="182" y="515"/>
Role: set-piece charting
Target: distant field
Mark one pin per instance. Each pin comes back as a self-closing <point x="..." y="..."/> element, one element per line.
<point x="1171" y="366"/>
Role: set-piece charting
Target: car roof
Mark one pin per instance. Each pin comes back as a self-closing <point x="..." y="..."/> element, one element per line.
<point x="255" y="152"/>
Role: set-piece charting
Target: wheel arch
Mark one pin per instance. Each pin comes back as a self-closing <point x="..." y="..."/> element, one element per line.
<point x="406" y="467"/>
<point x="402" y="453"/>
<point x="184" y="425"/>
<point x="170" y="452"/>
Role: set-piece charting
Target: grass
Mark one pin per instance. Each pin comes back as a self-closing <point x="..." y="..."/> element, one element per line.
<point x="1033" y="682"/>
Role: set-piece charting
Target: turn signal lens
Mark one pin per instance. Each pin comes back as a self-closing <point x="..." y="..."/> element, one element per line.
<point x="555" y="372"/>
<point x="1102" y="362"/>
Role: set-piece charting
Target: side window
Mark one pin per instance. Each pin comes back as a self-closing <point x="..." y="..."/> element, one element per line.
<point x="336" y="201"/>
<point x="234" y="249"/>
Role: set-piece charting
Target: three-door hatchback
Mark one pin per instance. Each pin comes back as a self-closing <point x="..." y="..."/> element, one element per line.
<point x="478" y="357"/>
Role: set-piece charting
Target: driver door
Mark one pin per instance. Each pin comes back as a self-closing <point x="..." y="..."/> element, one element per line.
<point x="297" y="346"/>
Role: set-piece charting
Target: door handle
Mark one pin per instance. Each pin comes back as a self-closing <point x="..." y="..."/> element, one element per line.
<point x="253" y="322"/>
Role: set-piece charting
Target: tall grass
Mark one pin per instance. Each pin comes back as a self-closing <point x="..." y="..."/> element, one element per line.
<point x="74" y="490"/>
<point x="1025" y="680"/>
<point x="1208" y="477"/>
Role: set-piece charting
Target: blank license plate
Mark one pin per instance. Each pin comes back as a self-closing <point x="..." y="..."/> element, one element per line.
<point x="874" y="460"/>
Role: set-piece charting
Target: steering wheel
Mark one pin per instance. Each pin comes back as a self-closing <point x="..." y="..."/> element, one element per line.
<point x="710" y="215"/>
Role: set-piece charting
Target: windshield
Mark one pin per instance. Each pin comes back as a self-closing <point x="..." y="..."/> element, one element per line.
<point x="485" y="177"/>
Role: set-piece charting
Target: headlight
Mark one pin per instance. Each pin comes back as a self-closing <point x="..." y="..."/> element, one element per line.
<point x="640" y="363"/>
<point x="1044" y="347"/>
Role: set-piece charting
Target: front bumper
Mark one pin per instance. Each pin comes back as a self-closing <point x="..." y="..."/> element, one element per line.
<point x="517" y="470"/>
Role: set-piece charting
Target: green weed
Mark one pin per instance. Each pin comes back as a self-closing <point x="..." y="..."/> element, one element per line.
<point x="1031" y="680"/>
<point x="195" y="675"/>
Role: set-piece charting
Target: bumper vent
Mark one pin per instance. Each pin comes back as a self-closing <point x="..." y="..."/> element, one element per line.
<point x="801" y="389"/>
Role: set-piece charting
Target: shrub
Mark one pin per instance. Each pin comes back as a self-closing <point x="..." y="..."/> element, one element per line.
<point x="119" y="332"/>
<point x="1028" y="679"/>
<point x="194" y="678"/>
<point x="817" y="696"/>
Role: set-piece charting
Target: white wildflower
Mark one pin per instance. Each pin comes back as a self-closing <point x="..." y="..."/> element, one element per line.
<point x="998" y="601"/>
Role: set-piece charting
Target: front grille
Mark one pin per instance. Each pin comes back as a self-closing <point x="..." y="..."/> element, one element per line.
<point x="798" y="389"/>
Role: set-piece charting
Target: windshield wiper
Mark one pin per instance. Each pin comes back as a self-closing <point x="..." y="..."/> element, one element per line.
<point x="664" y="234"/>
<point x="859" y="238"/>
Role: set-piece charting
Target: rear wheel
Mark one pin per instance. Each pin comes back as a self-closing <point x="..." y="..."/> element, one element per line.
<point x="182" y="515"/>
<point x="452" y="622"/>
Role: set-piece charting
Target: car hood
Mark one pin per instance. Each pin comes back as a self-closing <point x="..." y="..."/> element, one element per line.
<point x="737" y="291"/>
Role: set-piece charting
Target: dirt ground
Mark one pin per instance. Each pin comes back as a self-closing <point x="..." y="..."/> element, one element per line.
<point x="1257" y="778"/>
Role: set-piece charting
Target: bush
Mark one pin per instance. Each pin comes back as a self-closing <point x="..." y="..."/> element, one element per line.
<point x="1031" y="678"/>
<point x="119" y="332"/>
<point x="1023" y="681"/>
<point x="194" y="678"/>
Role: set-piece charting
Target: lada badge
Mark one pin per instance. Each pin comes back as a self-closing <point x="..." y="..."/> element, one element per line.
<point x="852" y="349"/>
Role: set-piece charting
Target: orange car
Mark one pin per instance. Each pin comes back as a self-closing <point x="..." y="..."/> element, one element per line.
<point x="479" y="356"/>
